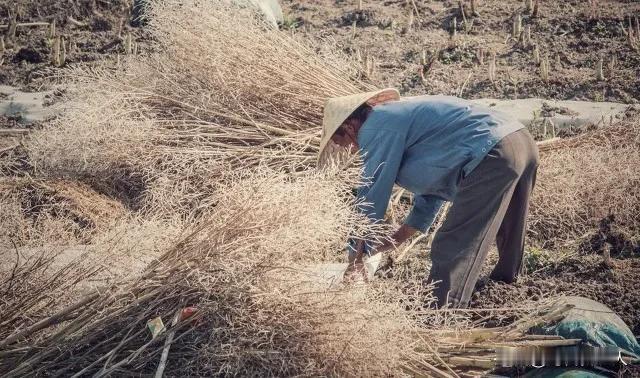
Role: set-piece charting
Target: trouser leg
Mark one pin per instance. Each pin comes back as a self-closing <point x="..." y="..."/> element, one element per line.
<point x="462" y="243"/>
<point x="511" y="235"/>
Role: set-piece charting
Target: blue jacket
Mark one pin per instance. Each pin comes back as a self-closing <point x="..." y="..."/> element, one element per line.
<point x="427" y="145"/>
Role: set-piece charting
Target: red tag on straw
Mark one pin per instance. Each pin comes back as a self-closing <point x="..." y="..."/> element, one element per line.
<point x="187" y="312"/>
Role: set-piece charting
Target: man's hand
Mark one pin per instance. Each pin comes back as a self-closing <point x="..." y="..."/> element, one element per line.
<point x="400" y="236"/>
<point x="355" y="267"/>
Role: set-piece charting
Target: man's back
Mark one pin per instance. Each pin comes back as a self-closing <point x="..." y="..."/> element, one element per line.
<point x="443" y="139"/>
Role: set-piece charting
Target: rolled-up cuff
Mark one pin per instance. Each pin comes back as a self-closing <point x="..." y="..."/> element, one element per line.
<point x="418" y="220"/>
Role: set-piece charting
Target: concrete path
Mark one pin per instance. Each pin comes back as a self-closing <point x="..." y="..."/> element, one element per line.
<point x="271" y="9"/>
<point x="27" y="107"/>
<point x="561" y="113"/>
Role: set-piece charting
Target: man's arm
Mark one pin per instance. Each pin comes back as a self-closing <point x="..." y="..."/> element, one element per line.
<point x="382" y="152"/>
<point x="424" y="211"/>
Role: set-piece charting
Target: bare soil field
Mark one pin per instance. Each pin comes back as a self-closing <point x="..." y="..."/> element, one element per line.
<point x="572" y="35"/>
<point x="88" y="31"/>
<point x="615" y="285"/>
<point x="91" y="30"/>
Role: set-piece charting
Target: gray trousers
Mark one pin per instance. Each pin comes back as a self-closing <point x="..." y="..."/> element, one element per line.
<point x="491" y="205"/>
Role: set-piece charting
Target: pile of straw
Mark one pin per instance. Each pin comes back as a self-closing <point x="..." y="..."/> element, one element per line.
<point x="583" y="180"/>
<point x="237" y="297"/>
<point x="29" y="290"/>
<point x="43" y="274"/>
<point x="223" y="91"/>
<point x="56" y="211"/>
<point x="241" y="269"/>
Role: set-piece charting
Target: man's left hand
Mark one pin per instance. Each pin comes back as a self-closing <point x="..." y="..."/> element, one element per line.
<point x="400" y="236"/>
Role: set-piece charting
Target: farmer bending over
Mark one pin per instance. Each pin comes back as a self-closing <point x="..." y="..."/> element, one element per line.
<point x="441" y="148"/>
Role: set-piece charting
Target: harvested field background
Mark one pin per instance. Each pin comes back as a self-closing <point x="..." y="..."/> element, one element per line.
<point x="574" y="35"/>
<point x="93" y="31"/>
<point x="180" y="176"/>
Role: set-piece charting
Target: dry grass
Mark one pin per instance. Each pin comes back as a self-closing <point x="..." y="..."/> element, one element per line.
<point x="57" y="211"/>
<point x="242" y="268"/>
<point x="223" y="92"/>
<point x="38" y="281"/>
<point x="32" y="287"/>
<point x="259" y="308"/>
<point x="46" y="265"/>
<point x="584" y="179"/>
<point x="60" y="240"/>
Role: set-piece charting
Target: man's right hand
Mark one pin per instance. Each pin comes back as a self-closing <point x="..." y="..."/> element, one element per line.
<point x="355" y="271"/>
<point x="355" y="267"/>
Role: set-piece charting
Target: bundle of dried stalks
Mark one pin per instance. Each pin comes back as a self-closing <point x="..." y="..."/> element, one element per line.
<point x="49" y="272"/>
<point x="32" y="287"/>
<point x="224" y="91"/>
<point x="45" y="261"/>
<point x="55" y="211"/>
<point x="236" y="298"/>
<point x="253" y="316"/>
<point x="584" y="179"/>
<point x="249" y="74"/>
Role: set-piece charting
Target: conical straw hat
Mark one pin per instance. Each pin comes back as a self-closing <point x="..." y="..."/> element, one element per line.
<point x="338" y="109"/>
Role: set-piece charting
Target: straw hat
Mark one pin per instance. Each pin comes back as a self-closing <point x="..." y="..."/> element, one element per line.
<point x="338" y="109"/>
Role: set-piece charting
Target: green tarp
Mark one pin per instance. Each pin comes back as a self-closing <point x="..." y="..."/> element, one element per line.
<point x="596" y="325"/>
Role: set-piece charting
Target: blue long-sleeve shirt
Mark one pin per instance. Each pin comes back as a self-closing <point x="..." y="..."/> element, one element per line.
<point x="427" y="145"/>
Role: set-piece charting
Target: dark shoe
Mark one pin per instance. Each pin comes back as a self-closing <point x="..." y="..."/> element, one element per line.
<point x="494" y="276"/>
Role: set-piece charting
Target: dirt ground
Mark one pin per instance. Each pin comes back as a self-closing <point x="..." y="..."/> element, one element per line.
<point x="92" y="30"/>
<point x="616" y="285"/>
<point x="573" y="35"/>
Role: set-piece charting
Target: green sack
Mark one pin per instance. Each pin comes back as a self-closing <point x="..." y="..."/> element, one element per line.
<point x="595" y="324"/>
